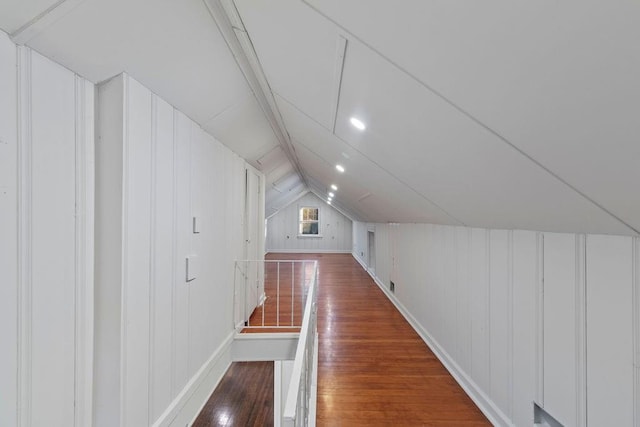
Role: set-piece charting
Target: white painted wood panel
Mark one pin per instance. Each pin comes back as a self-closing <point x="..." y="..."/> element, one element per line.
<point x="162" y="255"/>
<point x="500" y="319"/>
<point x="463" y="324"/>
<point x="51" y="304"/>
<point x="498" y="276"/>
<point x="429" y="259"/>
<point x="449" y="313"/>
<point x="180" y="303"/>
<point x="610" y="371"/>
<point x="525" y="277"/>
<point x="164" y="339"/>
<point x="8" y="233"/>
<point x="335" y="228"/>
<point x="560" y="341"/>
<point x="108" y="294"/>
<point x="480" y="351"/>
<point x="136" y="254"/>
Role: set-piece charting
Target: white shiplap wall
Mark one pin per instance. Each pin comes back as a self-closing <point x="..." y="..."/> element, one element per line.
<point x="522" y="316"/>
<point x="335" y="228"/>
<point x="162" y="342"/>
<point x="46" y="241"/>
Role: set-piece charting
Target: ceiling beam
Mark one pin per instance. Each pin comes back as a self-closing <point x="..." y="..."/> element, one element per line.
<point x="226" y="17"/>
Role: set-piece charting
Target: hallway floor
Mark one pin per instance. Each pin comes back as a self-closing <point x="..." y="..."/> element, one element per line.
<point x="374" y="369"/>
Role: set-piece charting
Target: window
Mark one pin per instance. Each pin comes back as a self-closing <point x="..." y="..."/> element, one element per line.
<point x="309" y="224"/>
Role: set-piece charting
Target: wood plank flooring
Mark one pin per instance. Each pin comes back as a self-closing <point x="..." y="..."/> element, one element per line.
<point x="243" y="398"/>
<point x="374" y="369"/>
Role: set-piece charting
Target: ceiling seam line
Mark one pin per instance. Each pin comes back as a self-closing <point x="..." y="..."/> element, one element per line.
<point x="474" y="119"/>
<point x="372" y="161"/>
<point x="340" y="75"/>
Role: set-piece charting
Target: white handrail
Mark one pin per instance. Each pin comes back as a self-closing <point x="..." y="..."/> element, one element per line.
<point x="297" y="404"/>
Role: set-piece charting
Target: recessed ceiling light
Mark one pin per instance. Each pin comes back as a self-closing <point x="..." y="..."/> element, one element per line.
<point x="334" y="187"/>
<point x="340" y="168"/>
<point x="328" y="202"/>
<point x="331" y="194"/>
<point x="358" y="124"/>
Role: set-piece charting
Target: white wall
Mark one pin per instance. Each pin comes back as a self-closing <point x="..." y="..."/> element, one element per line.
<point x="46" y="241"/>
<point x="522" y="316"/>
<point x="335" y="229"/>
<point x="162" y="342"/>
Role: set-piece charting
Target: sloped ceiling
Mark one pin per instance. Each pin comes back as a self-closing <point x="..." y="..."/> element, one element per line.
<point x="491" y="114"/>
<point x="172" y="47"/>
<point x="494" y="114"/>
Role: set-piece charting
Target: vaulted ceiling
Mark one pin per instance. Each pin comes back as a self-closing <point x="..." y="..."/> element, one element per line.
<point x="495" y="114"/>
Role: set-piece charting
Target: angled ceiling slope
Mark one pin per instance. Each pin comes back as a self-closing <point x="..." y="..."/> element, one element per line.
<point x="491" y="115"/>
<point x="180" y="50"/>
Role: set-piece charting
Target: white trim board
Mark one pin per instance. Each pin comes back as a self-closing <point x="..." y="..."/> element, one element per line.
<point x="482" y="401"/>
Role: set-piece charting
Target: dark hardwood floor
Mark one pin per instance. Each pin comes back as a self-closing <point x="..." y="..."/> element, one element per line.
<point x="243" y="398"/>
<point x="374" y="369"/>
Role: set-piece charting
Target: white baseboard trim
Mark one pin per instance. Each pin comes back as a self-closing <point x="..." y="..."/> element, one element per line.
<point x="479" y="397"/>
<point x="187" y="405"/>
<point x="362" y="263"/>
<point x="308" y="251"/>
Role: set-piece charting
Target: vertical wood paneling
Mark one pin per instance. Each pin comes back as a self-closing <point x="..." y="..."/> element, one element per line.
<point x="428" y="260"/>
<point x="136" y="256"/>
<point x="450" y="283"/>
<point x="525" y="270"/>
<point x="500" y="324"/>
<point x="539" y="319"/>
<point x="8" y="227"/>
<point x="162" y="255"/>
<point x="167" y="171"/>
<point x="525" y="343"/>
<point x="610" y="331"/>
<point x="182" y="159"/>
<point x="560" y="311"/>
<point x="437" y="294"/>
<point x="480" y="370"/>
<point x="108" y="295"/>
<point x="335" y="228"/>
<point x="463" y="330"/>
<point x="52" y="305"/>
<point x="580" y="332"/>
<point x="84" y="254"/>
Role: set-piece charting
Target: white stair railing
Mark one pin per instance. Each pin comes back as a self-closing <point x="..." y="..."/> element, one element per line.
<point x="300" y="405"/>
<point x="271" y="293"/>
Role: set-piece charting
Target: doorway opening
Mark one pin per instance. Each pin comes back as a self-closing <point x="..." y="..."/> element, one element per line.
<point x="371" y="262"/>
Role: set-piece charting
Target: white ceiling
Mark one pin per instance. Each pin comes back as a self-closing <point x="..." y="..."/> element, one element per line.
<point x="495" y="114"/>
<point x="172" y="47"/>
